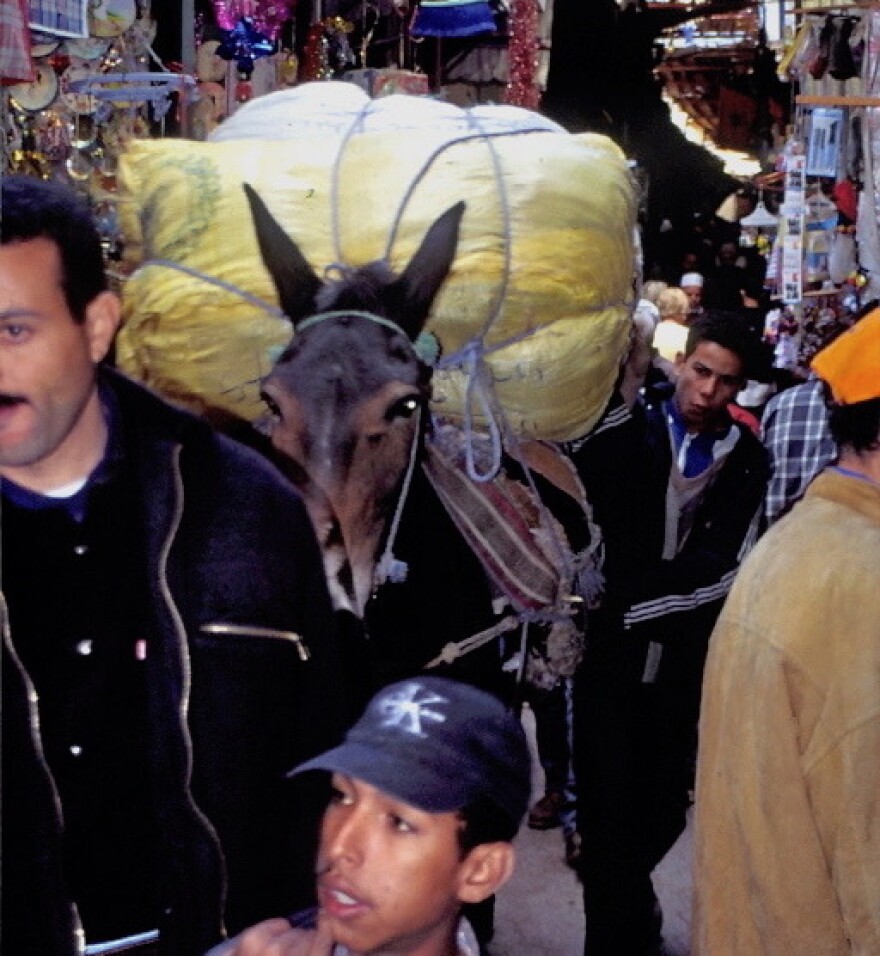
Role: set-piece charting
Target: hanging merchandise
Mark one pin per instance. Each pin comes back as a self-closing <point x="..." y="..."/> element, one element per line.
<point x="792" y="223"/>
<point x="87" y="48"/>
<point x="839" y="121"/>
<point x="868" y="220"/>
<point x="522" y="56"/>
<point x="209" y="66"/>
<point x="134" y="89"/>
<point x="760" y="217"/>
<point x="819" y="64"/>
<point x="250" y="32"/>
<point x="77" y="100"/>
<point x="452" y="18"/>
<point x="65" y="18"/>
<point x="15" y="45"/>
<point x="316" y="63"/>
<point x="842" y="256"/>
<point x="842" y="62"/>
<point x="791" y="258"/>
<point x="265" y="17"/>
<point x="91" y="93"/>
<point x="111" y="18"/>
<point x="820" y="223"/>
<point x="825" y="140"/>
<point x="244" y="44"/>
<point x="40" y="92"/>
<point x="795" y="162"/>
<point x="43" y="44"/>
<point x="797" y="54"/>
<point x="337" y="31"/>
<point x="842" y="259"/>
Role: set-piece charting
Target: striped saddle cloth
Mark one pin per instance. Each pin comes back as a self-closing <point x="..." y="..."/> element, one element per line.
<point x="522" y="547"/>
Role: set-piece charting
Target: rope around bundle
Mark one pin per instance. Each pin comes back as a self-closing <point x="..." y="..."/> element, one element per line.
<point x="480" y="399"/>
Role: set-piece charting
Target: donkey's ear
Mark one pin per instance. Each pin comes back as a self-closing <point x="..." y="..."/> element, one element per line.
<point x="420" y="281"/>
<point x="294" y="278"/>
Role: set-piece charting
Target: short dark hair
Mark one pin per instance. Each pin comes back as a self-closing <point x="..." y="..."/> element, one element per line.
<point x="34" y="208"/>
<point x="728" y="330"/>
<point x="857" y="425"/>
<point x="484" y="822"/>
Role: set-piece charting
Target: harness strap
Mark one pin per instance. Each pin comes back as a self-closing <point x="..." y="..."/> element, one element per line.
<point x="389" y="568"/>
<point x="455" y="649"/>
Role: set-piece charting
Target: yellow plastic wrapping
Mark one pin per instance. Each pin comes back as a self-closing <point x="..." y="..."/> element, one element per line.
<point x="544" y="267"/>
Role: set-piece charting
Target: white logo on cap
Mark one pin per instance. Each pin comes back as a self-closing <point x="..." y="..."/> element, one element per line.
<point x="406" y="709"/>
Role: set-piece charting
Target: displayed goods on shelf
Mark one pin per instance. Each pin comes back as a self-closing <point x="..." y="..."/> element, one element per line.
<point x="834" y="60"/>
<point x="91" y="89"/>
<point x="536" y="311"/>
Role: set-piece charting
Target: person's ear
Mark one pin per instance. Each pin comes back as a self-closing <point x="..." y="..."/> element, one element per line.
<point x="485" y="869"/>
<point x="679" y="362"/>
<point x="103" y="314"/>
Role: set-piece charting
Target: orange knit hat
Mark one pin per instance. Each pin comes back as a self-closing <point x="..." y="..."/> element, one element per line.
<point x="851" y="363"/>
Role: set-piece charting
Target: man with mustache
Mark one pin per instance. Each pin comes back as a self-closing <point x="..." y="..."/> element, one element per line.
<point x="168" y="651"/>
<point x="429" y="788"/>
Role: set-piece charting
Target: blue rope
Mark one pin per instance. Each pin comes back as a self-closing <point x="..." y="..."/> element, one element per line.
<point x="472" y="356"/>
<point x="213" y="280"/>
<point x="356" y="124"/>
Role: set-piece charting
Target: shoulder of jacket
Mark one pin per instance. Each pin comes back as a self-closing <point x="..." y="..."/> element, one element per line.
<point x="149" y="413"/>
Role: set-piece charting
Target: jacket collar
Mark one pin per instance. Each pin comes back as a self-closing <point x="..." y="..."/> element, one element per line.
<point x="860" y="496"/>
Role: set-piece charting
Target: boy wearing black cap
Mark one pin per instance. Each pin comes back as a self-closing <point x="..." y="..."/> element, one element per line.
<point x="429" y="789"/>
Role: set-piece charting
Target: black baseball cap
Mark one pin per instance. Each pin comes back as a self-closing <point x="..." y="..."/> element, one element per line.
<point x="437" y="745"/>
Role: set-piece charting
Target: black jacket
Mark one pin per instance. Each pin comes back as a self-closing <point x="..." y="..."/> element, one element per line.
<point x="625" y="466"/>
<point x="233" y="704"/>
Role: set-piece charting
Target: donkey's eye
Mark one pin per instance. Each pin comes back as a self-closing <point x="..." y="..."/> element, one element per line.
<point x="272" y="405"/>
<point x="405" y="408"/>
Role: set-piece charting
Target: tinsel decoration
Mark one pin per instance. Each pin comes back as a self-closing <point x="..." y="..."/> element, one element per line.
<point x="522" y="55"/>
<point x="267" y="16"/>
<point x="339" y="51"/>
<point x="244" y="44"/>
<point x="315" y="61"/>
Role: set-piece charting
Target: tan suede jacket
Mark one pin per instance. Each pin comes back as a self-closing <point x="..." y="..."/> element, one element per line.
<point x="787" y="850"/>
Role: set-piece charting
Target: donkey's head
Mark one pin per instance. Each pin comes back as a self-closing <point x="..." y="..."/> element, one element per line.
<point x="348" y="396"/>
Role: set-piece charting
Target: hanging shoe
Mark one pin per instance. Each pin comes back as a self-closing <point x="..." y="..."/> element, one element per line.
<point x="820" y="63"/>
<point x="842" y="65"/>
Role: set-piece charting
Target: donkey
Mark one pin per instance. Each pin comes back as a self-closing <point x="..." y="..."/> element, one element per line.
<point x="348" y="402"/>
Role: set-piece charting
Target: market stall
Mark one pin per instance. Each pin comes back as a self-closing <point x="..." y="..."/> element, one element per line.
<point x="825" y="261"/>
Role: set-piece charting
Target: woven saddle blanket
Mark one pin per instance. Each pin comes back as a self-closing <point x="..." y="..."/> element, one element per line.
<point x="523" y="548"/>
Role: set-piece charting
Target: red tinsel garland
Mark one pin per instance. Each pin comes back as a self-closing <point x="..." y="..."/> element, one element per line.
<point x="314" y="63"/>
<point x="522" y="55"/>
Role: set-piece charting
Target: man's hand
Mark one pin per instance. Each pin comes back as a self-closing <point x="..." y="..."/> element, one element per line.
<point x="276" y="937"/>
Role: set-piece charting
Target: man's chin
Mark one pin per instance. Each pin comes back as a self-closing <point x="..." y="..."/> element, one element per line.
<point x="699" y="418"/>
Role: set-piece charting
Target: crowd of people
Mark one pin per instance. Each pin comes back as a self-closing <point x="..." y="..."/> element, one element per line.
<point x="173" y="697"/>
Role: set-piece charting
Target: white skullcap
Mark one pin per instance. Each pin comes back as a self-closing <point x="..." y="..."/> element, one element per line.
<point x="691" y="278"/>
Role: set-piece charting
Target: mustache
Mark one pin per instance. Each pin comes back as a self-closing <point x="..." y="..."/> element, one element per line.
<point x="7" y="400"/>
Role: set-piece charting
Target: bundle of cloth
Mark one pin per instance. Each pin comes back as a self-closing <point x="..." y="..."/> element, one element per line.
<point x="536" y="313"/>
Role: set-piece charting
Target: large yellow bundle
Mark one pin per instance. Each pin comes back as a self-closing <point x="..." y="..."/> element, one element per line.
<point x="542" y="280"/>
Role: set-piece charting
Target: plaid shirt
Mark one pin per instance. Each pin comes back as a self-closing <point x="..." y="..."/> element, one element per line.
<point x="798" y="442"/>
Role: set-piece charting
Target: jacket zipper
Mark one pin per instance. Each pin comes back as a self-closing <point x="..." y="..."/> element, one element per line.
<point x="186" y="666"/>
<point x="245" y="630"/>
<point x="79" y="940"/>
